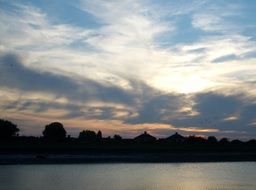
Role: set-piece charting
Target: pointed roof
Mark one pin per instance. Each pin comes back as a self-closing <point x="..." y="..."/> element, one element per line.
<point x="145" y="137"/>
<point x="176" y="136"/>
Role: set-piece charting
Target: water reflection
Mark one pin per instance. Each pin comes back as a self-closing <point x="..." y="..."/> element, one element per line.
<point x="194" y="176"/>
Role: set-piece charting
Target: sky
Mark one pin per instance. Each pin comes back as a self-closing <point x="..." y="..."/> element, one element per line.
<point x="124" y="67"/>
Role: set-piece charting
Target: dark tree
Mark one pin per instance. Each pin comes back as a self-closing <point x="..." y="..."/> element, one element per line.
<point x="195" y="140"/>
<point x="87" y="135"/>
<point x="236" y="142"/>
<point x="54" y="131"/>
<point x="7" y="129"/>
<point x="99" y="136"/>
<point x="224" y="141"/>
<point x="252" y="142"/>
<point x="117" y="138"/>
<point x="212" y="139"/>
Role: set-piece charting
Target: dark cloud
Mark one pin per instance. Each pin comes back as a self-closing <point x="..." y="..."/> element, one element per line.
<point x="158" y="109"/>
<point x="197" y="50"/>
<point x="38" y="106"/>
<point x="13" y="74"/>
<point x="212" y="108"/>
<point x="248" y="116"/>
<point x="251" y="54"/>
<point x="215" y="111"/>
<point x="102" y="112"/>
<point x="232" y="57"/>
<point x="217" y="104"/>
<point x="224" y="58"/>
<point x="226" y="113"/>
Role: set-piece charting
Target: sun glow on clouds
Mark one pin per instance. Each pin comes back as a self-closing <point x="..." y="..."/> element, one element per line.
<point x="133" y="53"/>
<point x="181" y="83"/>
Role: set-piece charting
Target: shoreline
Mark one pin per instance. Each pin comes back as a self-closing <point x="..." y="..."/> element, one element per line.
<point x="87" y="158"/>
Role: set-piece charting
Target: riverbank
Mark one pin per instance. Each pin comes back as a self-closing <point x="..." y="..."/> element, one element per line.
<point x="124" y="158"/>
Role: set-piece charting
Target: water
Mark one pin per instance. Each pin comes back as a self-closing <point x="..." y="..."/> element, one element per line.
<point x="174" y="176"/>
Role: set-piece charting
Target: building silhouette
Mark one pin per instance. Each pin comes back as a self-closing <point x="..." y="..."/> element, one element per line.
<point x="145" y="137"/>
<point x="176" y="138"/>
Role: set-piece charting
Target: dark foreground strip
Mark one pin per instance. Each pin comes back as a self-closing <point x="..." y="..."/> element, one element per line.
<point x="6" y="159"/>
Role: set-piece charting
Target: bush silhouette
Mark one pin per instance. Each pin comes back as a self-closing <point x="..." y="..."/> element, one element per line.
<point x="54" y="131"/>
<point x="7" y="129"/>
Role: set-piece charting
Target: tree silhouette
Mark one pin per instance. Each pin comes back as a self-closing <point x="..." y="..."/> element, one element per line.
<point x="117" y="138"/>
<point x="224" y="141"/>
<point x="99" y="135"/>
<point x="7" y="129"/>
<point x="87" y="135"/>
<point x="54" y="131"/>
<point x="236" y="142"/>
<point x="195" y="140"/>
<point x="212" y="139"/>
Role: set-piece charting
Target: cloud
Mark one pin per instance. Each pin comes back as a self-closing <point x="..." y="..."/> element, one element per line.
<point x="15" y="75"/>
<point x="66" y="97"/>
<point x="27" y="27"/>
<point x="225" y="58"/>
<point x="119" y="48"/>
<point x="80" y="97"/>
<point x="132" y="67"/>
<point x="223" y="112"/>
<point x="211" y="112"/>
<point x="215" y="17"/>
<point x="158" y="109"/>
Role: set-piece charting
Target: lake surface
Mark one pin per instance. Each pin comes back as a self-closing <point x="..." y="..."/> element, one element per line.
<point x="173" y="176"/>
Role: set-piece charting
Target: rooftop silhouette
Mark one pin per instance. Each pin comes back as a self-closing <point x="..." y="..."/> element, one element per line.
<point x="145" y="137"/>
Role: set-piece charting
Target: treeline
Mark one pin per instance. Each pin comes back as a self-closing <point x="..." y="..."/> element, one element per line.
<point x="56" y="132"/>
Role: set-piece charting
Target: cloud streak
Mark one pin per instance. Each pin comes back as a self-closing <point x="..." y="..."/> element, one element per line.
<point x="15" y="75"/>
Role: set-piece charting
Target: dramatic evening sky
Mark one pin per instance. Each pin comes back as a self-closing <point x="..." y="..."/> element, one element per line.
<point x="128" y="66"/>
